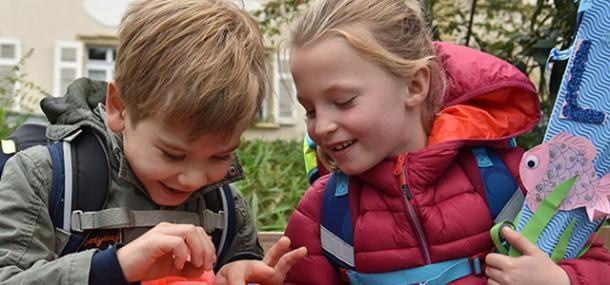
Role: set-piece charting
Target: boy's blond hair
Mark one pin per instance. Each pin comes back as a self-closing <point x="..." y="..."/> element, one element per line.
<point x="195" y="62"/>
<point x="396" y="39"/>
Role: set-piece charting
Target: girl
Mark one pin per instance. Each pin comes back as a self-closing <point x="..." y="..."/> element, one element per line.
<point x="396" y="117"/>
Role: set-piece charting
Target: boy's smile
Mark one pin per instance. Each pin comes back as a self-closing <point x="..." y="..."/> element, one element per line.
<point x="170" y="164"/>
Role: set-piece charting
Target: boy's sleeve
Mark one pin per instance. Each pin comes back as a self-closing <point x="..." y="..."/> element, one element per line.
<point x="245" y="245"/>
<point x="27" y="234"/>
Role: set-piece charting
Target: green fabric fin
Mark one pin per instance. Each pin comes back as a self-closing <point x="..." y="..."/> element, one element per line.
<point x="547" y="208"/>
<point x="562" y="244"/>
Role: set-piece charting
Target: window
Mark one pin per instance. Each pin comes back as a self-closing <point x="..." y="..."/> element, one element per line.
<point x="10" y="53"/>
<point x="100" y="64"/>
<point x="280" y="105"/>
<point x="68" y="65"/>
<point x="285" y="91"/>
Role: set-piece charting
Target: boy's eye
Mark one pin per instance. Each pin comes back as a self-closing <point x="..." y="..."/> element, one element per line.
<point x="224" y="157"/>
<point x="172" y="157"/>
<point x="346" y="103"/>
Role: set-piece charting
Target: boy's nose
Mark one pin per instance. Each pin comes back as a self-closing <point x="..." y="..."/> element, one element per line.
<point x="192" y="179"/>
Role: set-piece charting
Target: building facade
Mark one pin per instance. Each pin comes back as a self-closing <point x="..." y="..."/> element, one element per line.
<point x="50" y="43"/>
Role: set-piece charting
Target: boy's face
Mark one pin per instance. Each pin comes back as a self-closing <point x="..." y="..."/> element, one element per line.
<point x="357" y="112"/>
<point x="170" y="164"/>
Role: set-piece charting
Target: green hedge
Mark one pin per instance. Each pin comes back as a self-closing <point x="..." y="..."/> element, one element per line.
<point x="275" y="180"/>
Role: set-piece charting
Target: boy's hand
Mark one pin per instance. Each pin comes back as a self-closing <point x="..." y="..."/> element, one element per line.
<point x="271" y="271"/>
<point x="167" y="250"/>
<point x="533" y="267"/>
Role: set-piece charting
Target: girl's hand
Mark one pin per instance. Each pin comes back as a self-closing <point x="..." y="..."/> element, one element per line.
<point x="533" y="267"/>
<point x="271" y="271"/>
<point x="167" y="250"/>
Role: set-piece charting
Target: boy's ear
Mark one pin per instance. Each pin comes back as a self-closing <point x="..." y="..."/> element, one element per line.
<point x="115" y="108"/>
<point x="418" y="87"/>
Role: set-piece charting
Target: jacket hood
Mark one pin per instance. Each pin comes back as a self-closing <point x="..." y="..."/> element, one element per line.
<point x="78" y="107"/>
<point x="486" y="99"/>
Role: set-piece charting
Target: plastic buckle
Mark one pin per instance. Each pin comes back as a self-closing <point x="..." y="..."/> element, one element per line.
<point x="76" y="221"/>
<point x="475" y="264"/>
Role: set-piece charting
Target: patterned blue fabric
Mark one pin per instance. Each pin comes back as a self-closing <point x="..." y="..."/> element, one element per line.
<point x="583" y="102"/>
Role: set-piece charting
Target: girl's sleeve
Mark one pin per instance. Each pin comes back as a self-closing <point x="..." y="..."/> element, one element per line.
<point x="591" y="268"/>
<point x="304" y="230"/>
<point x="27" y="235"/>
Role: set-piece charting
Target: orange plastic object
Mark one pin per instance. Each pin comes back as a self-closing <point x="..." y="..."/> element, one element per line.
<point x="206" y="279"/>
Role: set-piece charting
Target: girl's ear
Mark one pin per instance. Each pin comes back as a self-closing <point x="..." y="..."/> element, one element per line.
<point x="115" y="108"/>
<point x="419" y="86"/>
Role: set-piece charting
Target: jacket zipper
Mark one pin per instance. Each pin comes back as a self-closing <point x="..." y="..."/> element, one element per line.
<point x="400" y="171"/>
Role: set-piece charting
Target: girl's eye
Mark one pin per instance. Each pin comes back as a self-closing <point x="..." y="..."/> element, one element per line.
<point x="172" y="157"/>
<point x="345" y="103"/>
<point x="310" y="114"/>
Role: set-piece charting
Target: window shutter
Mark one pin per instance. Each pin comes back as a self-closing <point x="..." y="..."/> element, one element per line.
<point x="68" y="65"/>
<point x="284" y="89"/>
<point x="10" y="53"/>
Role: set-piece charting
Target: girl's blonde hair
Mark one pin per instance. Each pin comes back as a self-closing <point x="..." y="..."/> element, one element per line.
<point x="194" y="62"/>
<point x="397" y="39"/>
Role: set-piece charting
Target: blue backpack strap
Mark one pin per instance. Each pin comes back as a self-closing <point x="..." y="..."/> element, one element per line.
<point x="81" y="180"/>
<point x="500" y="185"/>
<point x="336" y="229"/>
<point x="56" y="197"/>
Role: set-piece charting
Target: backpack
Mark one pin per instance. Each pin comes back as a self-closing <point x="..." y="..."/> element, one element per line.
<point x="336" y="234"/>
<point x="80" y="188"/>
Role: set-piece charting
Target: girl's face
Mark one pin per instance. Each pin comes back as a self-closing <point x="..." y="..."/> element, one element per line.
<point x="357" y="112"/>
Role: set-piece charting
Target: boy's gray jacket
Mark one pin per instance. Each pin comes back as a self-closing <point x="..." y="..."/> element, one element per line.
<point x="29" y="243"/>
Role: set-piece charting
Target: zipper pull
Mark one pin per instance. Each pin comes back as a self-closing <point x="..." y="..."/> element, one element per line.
<point x="399" y="170"/>
<point x="400" y="162"/>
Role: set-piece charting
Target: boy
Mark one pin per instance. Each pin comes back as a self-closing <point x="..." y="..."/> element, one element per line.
<point x="189" y="79"/>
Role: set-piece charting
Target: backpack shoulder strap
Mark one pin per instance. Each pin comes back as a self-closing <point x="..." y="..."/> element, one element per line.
<point x="81" y="180"/>
<point x="501" y="189"/>
<point x="336" y="234"/>
<point x="221" y="202"/>
<point x="229" y="230"/>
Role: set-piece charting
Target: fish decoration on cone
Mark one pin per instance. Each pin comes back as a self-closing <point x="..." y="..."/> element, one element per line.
<point x="565" y="199"/>
<point x="545" y="166"/>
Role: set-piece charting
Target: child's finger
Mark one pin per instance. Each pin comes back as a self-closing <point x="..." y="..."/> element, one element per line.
<point x="289" y="259"/>
<point x="176" y="247"/>
<point x="209" y="259"/>
<point x="493" y="273"/>
<point x="519" y="241"/>
<point x="191" y="271"/>
<point x="257" y="272"/>
<point x="277" y="251"/>
<point x="195" y="242"/>
<point x="201" y="246"/>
